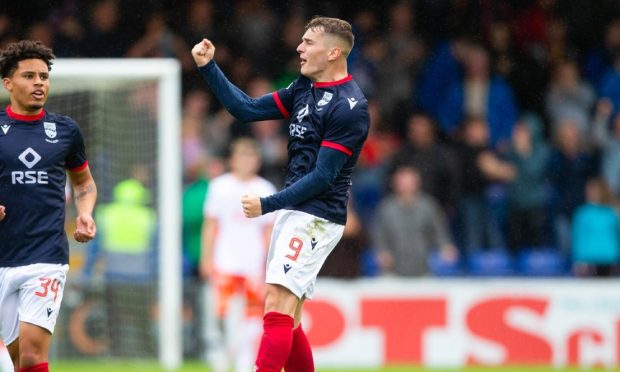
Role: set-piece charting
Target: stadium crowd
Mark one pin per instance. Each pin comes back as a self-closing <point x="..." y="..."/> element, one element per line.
<point x="495" y="138"/>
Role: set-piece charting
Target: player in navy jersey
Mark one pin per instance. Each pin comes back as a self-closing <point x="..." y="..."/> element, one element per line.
<point x="328" y="122"/>
<point x="37" y="148"/>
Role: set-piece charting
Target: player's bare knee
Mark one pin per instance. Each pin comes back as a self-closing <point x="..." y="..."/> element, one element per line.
<point x="280" y="299"/>
<point x="29" y="358"/>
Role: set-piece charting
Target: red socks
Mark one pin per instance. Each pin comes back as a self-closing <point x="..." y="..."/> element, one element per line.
<point x="41" y="367"/>
<point x="300" y="358"/>
<point x="275" y="345"/>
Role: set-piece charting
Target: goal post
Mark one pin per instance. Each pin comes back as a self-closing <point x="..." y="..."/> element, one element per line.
<point x="71" y="74"/>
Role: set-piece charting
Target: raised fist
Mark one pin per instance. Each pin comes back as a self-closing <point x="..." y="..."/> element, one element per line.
<point x="203" y="52"/>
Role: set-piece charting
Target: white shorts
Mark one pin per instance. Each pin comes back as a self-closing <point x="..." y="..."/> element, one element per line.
<point x="300" y="243"/>
<point x="30" y="294"/>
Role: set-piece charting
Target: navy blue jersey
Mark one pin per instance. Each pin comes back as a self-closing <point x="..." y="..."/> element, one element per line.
<point x="332" y="115"/>
<point x="35" y="152"/>
<point x="328" y="124"/>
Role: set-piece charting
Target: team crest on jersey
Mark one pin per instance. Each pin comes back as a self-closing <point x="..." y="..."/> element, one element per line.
<point x="327" y="96"/>
<point x="50" y="131"/>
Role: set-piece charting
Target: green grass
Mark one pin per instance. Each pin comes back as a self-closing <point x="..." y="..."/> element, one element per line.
<point x="115" y="366"/>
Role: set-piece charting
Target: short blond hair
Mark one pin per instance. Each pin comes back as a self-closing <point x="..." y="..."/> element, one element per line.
<point x="334" y="26"/>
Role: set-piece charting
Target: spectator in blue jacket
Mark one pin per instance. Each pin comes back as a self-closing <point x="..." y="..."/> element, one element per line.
<point x="480" y="95"/>
<point x="596" y="232"/>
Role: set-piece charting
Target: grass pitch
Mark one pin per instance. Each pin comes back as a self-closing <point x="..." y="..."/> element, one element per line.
<point x="115" y="366"/>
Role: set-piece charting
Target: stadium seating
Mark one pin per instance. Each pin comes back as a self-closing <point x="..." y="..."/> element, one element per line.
<point x="490" y="262"/>
<point x="542" y="261"/>
<point x="439" y="267"/>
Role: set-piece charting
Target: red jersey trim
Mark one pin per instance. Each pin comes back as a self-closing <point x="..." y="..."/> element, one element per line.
<point x="332" y="83"/>
<point x="80" y="168"/>
<point x="335" y="146"/>
<point x="20" y="117"/>
<point x="281" y="107"/>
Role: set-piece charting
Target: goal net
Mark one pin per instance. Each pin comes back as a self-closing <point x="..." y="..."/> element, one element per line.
<point x="117" y="304"/>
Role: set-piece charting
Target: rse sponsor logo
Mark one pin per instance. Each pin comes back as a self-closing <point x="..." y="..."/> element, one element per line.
<point x="296" y="130"/>
<point x="30" y="158"/>
<point x="29" y="177"/>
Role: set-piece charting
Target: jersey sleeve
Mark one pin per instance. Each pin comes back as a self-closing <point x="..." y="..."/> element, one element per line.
<point x="347" y="127"/>
<point x="76" y="158"/>
<point x="238" y="103"/>
<point x="285" y="97"/>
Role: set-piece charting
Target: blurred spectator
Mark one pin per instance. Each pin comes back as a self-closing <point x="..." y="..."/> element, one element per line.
<point x="600" y="58"/>
<point x="270" y="137"/>
<point x="480" y="95"/>
<point x="401" y="60"/>
<point x="609" y="85"/>
<point x="409" y="225"/>
<point x="203" y="133"/>
<point x="160" y="41"/>
<point x="568" y="96"/>
<point x="199" y="21"/>
<point x="520" y="70"/>
<point x="194" y="195"/>
<point x="103" y="36"/>
<point x="193" y="200"/>
<point x="345" y="261"/>
<point x="286" y="52"/>
<point x="69" y="31"/>
<point x="127" y="236"/>
<point x="527" y="192"/>
<point x="370" y="174"/>
<point x="41" y="31"/>
<point x="557" y="46"/>
<point x="253" y="28"/>
<point x="193" y="148"/>
<point x="442" y="70"/>
<point x="596" y="232"/>
<point x="569" y="168"/>
<point x="480" y="166"/>
<point x="608" y="142"/>
<point x="436" y="162"/>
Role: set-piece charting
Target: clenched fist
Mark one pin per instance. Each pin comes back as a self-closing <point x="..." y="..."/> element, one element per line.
<point x="2" y="212"/>
<point x="203" y="52"/>
<point x="251" y="206"/>
<point x="85" y="229"/>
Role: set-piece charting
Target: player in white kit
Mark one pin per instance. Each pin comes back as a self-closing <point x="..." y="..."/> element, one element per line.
<point x="234" y="250"/>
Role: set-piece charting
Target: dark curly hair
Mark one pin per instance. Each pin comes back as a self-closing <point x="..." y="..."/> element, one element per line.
<point x="24" y="49"/>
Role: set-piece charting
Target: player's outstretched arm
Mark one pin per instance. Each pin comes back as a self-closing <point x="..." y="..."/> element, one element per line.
<point x="85" y="192"/>
<point x="240" y="105"/>
<point x="2" y="212"/>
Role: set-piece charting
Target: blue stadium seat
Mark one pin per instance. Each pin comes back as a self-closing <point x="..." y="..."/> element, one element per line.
<point x="542" y="261"/>
<point x="490" y="262"/>
<point x="437" y="266"/>
<point x="368" y="262"/>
